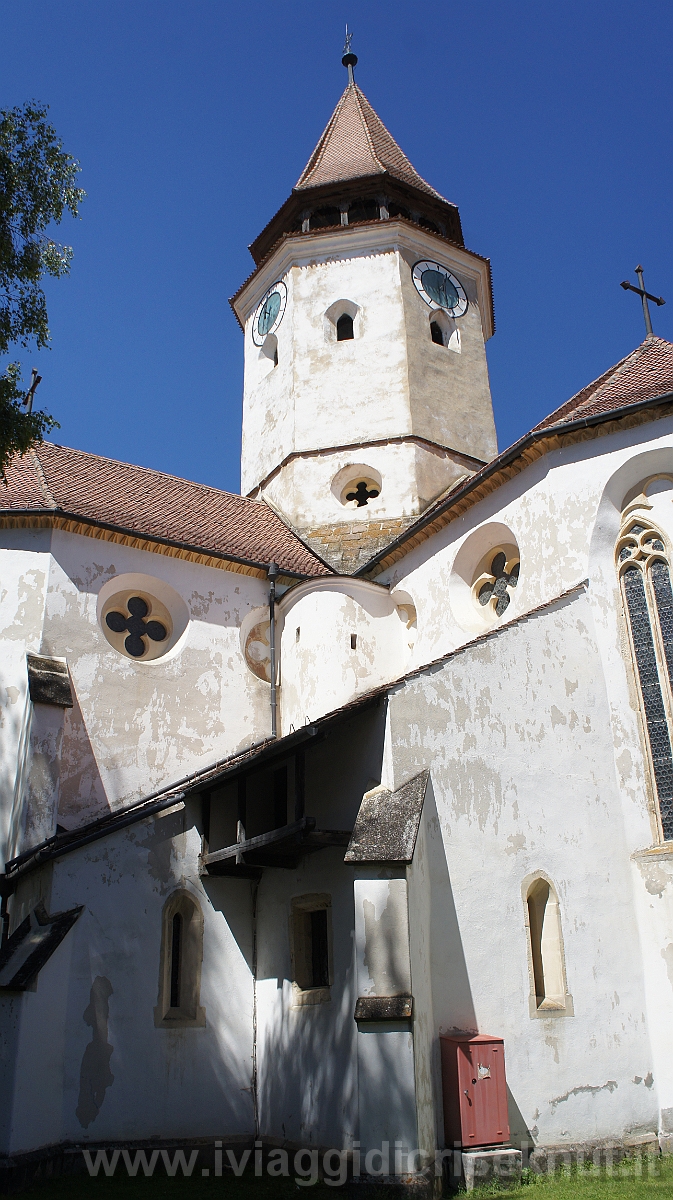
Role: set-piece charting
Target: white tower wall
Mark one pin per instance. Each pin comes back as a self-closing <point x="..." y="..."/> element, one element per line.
<point x="416" y="413"/>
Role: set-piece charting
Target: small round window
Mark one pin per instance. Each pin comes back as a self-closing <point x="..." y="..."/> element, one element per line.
<point x="356" y="485"/>
<point x="137" y="624"/>
<point x="497" y="576"/>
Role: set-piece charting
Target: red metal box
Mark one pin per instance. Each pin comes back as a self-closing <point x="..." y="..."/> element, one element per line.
<point x="475" y="1090"/>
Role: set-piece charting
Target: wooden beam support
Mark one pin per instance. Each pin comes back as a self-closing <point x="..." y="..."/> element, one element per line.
<point x="307" y="824"/>
<point x="241" y="817"/>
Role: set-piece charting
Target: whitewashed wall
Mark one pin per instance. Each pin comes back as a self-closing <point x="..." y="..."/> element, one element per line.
<point x="135" y="725"/>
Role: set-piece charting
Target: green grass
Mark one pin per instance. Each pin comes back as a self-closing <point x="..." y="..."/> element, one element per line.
<point x="637" y="1179"/>
<point x="654" y="1182"/>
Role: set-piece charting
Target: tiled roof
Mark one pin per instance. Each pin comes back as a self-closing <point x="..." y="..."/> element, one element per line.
<point x="645" y="373"/>
<point x="357" y="144"/>
<point x="150" y="504"/>
<point x="644" y="376"/>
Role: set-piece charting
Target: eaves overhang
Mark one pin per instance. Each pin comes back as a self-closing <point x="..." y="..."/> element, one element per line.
<point x="260" y="755"/>
<point x="346" y="190"/>
<point x="511" y="462"/>
<point x="56" y="518"/>
<point x="300" y="249"/>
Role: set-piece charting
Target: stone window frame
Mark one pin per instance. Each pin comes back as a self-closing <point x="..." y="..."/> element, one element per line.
<point x="449" y="330"/>
<point x="189" y="1013"/>
<point x="559" y="1002"/>
<point x="484" y="577"/>
<point x="300" y="907"/>
<point x="637" y="532"/>
<point x="342" y="308"/>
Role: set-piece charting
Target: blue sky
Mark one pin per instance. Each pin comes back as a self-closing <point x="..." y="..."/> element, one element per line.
<point x="548" y="124"/>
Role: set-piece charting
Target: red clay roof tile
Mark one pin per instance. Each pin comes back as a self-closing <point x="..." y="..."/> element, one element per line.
<point x="152" y="504"/>
<point x="645" y="373"/>
<point x="356" y="144"/>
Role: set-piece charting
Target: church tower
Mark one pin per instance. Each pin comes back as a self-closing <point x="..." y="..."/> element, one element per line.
<point x="366" y="391"/>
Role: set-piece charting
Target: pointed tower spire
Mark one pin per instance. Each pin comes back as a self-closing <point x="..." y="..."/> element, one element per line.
<point x="356" y="144"/>
<point x="356" y="173"/>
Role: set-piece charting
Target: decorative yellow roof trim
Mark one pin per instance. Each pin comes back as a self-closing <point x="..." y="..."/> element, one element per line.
<point x="101" y="534"/>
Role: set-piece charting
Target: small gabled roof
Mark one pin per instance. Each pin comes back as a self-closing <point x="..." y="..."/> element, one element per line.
<point x="356" y="144"/>
<point x="141" y="503"/>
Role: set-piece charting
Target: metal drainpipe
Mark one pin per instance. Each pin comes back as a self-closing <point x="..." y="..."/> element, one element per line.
<point x="273" y="575"/>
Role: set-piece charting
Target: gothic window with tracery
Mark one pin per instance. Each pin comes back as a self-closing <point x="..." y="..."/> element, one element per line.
<point x="644" y="569"/>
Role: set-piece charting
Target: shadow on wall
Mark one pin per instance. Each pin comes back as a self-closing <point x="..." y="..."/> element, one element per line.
<point x="95" y="1075"/>
<point x="82" y="795"/>
<point x="452" y="998"/>
<point x="451" y="991"/>
<point x="17" y="720"/>
<point x="307" y="1055"/>
<point x="200" y="1078"/>
<point x="233" y="898"/>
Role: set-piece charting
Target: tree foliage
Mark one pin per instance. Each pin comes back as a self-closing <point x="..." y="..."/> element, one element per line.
<point x="37" y="188"/>
<point x="18" y="430"/>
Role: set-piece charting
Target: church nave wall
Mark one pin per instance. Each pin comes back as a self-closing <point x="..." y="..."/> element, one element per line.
<point x="134" y="725"/>
<point x="516" y="734"/>
<point x="88" y="1037"/>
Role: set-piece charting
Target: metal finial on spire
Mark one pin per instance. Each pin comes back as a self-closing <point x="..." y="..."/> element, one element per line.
<point x="645" y="296"/>
<point x="349" y="59"/>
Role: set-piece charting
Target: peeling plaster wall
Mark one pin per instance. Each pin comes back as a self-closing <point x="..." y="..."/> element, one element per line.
<point x="517" y="734"/>
<point x="86" y="1039"/>
<point x="319" y="669"/>
<point x="564" y="513"/>
<point x="24" y="569"/>
<point x="411" y="476"/>
<point x="91" y="1065"/>
<point x="134" y="726"/>
<point x="390" y="380"/>
<point x="533" y="740"/>
<point x="551" y="509"/>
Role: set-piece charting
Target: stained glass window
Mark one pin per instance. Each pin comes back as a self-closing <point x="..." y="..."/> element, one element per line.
<point x="648" y="597"/>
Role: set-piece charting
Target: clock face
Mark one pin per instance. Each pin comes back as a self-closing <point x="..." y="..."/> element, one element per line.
<point x="439" y="288"/>
<point x="270" y="313"/>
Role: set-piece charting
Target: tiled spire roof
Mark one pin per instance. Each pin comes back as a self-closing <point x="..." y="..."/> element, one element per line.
<point x="150" y="504"/>
<point x="356" y="144"/>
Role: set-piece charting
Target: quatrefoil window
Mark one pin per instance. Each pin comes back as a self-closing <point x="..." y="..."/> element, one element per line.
<point x="362" y="494"/>
<point x="139" y="630"/>
<point x="493" y="587"/>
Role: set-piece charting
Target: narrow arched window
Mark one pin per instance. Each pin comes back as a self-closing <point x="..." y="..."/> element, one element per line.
<point x="645" y="578"/>
<point x="546" y="960"/>
<point x="180" y="963"/>
<point x="344" y="328"/>
<point x="176" y="954"/>
<point x="436" y="333"/>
